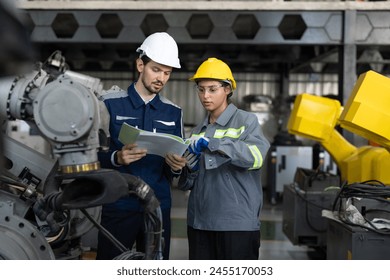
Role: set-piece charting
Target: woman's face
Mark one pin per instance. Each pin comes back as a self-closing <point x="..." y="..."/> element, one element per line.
<point x="213" y="95"/>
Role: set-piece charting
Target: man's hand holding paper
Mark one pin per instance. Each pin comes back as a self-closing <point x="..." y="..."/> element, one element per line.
<point x="155" y="143"/>
<point x="129" y="154"/>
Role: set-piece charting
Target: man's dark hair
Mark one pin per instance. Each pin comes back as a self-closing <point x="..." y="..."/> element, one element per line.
<point x="145" y="59"/>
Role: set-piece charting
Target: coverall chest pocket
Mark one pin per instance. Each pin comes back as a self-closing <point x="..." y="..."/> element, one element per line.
<point x="118" y="124"/>
<point x="129" y="120"/>
<point x="164" y="127"/>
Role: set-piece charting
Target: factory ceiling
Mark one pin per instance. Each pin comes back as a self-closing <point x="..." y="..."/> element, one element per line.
<point x="276" y="41"/>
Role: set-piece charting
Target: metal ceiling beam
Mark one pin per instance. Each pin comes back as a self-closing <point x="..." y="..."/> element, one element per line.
<point x="319" y="61"/>
<point x="203" y="5"/>
<point x="222" y="27"/>
<point x="258" y="35"/>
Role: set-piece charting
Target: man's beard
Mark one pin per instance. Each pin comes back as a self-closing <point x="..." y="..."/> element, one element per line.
<point x="151" y="88"/>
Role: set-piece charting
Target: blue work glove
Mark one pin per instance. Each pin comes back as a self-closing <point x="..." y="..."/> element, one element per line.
<point x="192" y="161"/>
<point x="198" y="144"/>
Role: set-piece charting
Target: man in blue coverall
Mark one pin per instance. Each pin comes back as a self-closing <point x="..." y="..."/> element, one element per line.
<point x="141" y="106"/>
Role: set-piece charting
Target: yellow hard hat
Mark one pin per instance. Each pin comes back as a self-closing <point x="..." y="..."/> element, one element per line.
<point x="213" y="68"/>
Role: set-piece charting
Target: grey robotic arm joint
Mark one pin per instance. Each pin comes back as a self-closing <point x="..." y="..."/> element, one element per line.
<point x="63" y="105"/>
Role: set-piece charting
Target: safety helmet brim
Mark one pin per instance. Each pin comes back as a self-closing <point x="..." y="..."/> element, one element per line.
<point x="214" y="69"/>
<point x="161" y="48"/>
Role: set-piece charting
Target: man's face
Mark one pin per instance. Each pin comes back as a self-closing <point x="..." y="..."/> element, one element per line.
<point x="153" y="76"/>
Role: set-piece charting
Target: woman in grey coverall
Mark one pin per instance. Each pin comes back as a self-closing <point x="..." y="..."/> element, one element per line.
<point x="223" y="169"/>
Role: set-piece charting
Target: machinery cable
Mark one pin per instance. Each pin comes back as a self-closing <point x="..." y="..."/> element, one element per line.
<point x="105" y="232"/>
<point x="372" y="189"/>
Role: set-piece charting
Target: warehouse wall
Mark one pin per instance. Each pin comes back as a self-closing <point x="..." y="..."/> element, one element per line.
<point x="181" y="91"/>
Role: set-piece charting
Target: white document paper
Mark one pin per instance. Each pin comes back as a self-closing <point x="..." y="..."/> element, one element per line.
<point x="156" y="143"/>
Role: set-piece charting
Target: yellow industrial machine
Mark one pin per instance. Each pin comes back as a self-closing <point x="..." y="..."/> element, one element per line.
<point x="316" y="118"/>
<point x="367" y="110"/>
<point x="358" y="212"/>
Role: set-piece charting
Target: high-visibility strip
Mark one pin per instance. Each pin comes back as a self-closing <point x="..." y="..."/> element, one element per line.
<point x="197" y="135"/>
<point x="257" y="155"/>
<point x="230" y="132"/>
<point x="236" y="133"/>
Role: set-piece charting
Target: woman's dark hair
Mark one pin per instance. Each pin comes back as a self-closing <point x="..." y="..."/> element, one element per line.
<point x="225" y="84"/>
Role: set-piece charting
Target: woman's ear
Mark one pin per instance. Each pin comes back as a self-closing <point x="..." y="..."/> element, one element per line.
<point x="228" y="90"/>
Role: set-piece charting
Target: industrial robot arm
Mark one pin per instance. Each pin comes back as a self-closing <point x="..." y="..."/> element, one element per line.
<point x="316" y="117"/>
<point x="64" y="107"/>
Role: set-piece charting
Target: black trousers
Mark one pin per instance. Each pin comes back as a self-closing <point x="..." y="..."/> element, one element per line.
<point x="223" y="245"/>
<point x="129" y="228"/>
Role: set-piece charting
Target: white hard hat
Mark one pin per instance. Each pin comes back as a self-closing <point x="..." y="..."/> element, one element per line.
<point x="161" y="48"/>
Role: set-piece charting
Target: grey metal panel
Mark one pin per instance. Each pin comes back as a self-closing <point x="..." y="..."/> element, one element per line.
<point x="347" y="75"/>
<point x="225" y="34"/>
<point x="288" y="159"/>
<point x="302" y="220"/>
<point x="222" y="21"/>
<point x="324" y="84"/>
<point x="345" y="242"/>
<point x="204" y="5"/>
<point x="322" y="27"/>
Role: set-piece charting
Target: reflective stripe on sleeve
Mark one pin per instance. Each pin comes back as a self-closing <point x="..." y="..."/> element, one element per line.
<point x="230" y="132"/>
<point x="257" y="156"/>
